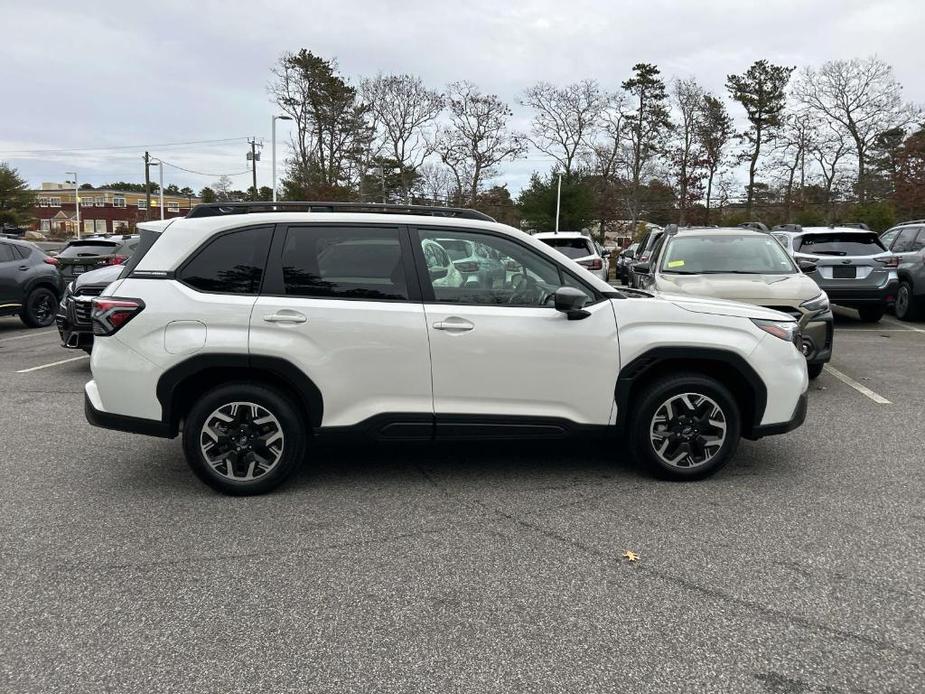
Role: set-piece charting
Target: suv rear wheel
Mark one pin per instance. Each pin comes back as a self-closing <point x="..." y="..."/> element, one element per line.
<point x="39" y="309"/>
<point x="244" y="439"/>
<point x="907" y="308"/>
<point x="686" y="426"/>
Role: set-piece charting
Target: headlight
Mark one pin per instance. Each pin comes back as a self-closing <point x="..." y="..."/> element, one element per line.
<point x="69" y="290"/>
<point x="817" y="304"/>
<point x="785" y="330"/>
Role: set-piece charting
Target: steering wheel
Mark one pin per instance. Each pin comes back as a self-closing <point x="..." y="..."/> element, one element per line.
<point x="527" y="291"/>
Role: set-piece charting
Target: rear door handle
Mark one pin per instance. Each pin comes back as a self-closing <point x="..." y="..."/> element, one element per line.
<point x="454" y="325"/>
<point x="23" y="267"/>
<point x="285" y="317"/>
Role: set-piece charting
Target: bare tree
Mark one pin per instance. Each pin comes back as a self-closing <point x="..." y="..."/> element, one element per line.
<point x="862" y="97"/>
<point x="477" y="137"/>
<point x="608" y="149"/>
<point x="793" y="144"/>
<point x="435" y="182"/>
<point x="829" y="147"/>
<point x="715" y="134"/>
<point x="684" y="154"/>
<point x="404" y="110"/>
<point x="565" y="119"/>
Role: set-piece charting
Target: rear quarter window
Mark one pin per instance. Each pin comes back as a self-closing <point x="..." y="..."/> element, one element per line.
<point x="232" y="263"/>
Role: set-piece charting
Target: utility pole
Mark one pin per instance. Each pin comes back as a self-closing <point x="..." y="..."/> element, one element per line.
<point x="558" y="202"/>
<point x="76" y="200"/>
<point x="254" y="157"/>
<point x="147" y="187"/>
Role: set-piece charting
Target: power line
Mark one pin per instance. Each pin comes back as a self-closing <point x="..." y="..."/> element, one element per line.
<point x="204" y="173"/>
<point x="118" y="147"/>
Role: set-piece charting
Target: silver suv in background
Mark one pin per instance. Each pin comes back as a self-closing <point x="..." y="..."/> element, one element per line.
<point x="851" y="265"/>
<point x="907" y="242"/>
<point x="580" y="248"/>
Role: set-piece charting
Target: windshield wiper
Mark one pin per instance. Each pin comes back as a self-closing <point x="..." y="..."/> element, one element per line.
<point x="732" y="272"/>
<point x="679" y="272"/>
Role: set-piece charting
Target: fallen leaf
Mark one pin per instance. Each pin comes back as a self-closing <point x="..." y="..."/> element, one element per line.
<point x="630" y="555"/>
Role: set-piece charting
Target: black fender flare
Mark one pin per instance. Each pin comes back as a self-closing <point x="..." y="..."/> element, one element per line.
<point x="647" y="363"/>
<point x="280" y="370"/>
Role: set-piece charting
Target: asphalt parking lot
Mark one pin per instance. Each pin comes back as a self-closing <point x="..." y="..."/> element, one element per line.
<point x="799" y="568"/>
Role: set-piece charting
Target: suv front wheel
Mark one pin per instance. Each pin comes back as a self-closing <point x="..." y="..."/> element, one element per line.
<point x="244" y="439"/>
<point x="686" y="426"/>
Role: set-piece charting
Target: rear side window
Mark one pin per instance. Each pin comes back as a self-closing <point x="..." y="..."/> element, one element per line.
<point x="910" y="240"/>
<point x="571" y="247"/>
<point x="145" y="242"/>
<point x="344" y="263"/>
<point x="840" y="244"/>
<point x="232" y="263"/>
<point x="6" y="253"/>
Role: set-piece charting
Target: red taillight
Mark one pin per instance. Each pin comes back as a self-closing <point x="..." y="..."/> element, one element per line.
<point x="467" y="266"/>
<point x="593" y="264"/>
<point x="117" y="259"/>
<point x="892" y="261"/>
<point x="51" y="261"/>
<point x="110" y="315"/>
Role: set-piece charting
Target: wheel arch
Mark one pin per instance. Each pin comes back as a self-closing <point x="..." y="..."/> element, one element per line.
<point x="727" y="367"/>
<point x="184" y="381"/>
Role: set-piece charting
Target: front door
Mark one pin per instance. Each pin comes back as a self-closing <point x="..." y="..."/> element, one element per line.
<point x="501" y="348"/>
<point x="342" y="303"/>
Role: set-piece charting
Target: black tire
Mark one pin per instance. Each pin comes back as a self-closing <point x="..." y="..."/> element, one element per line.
<point x="871" y="315"/>
<point x="907" y="307"/>
<point x="814" y="370"/>
<point x="39" y="309"/>
<point x="244" y="449"/>
<point x="651" y="401"/>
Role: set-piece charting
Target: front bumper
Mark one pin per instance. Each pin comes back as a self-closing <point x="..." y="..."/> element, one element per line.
<point x="817" y="338"/>
<point x="74" y="326"/>
<point x="799" y="416"/>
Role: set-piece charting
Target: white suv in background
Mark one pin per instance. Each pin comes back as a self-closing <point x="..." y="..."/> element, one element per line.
<point x="255" y="329"/>
<point x="580" y="248"/>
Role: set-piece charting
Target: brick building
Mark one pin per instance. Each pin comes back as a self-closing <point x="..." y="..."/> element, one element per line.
<point x="102" y="211"/>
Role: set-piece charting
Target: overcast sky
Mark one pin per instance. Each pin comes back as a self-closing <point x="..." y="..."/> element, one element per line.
<point x="126" y="74"/>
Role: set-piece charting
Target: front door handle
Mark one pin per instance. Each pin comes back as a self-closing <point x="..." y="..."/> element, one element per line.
<point x="23" y="267"/>
<point x="454" y="325"/>
<point x="285" y="317"/>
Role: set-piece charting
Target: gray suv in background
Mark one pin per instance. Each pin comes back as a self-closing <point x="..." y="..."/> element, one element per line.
<point x="907" y="242"/>
<point x="851" y="265"/>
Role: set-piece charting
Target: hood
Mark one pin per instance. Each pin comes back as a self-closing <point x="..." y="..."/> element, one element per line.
<point x="720" y="307"/>
<point x="103" y="275"/>
<point x="750" y="289"/>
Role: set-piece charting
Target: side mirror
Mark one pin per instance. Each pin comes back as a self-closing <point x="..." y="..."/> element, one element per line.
<point x="806" y="266"/>
<point x="569" y="301"/>
<point x="629" y="254"/>
<point x="438" y="273"/>
<point x="642" y="268"/>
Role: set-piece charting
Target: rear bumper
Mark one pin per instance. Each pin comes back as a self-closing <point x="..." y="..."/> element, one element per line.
<point x="134" y="425"/>
<point x="860" y="297"/>
<point x="799" y="416"/>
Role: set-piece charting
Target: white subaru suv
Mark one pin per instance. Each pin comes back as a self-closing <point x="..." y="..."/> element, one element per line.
<point x="257" y="329"/>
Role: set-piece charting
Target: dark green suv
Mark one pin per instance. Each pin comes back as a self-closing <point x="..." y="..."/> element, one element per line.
<point x="87" y="254"/>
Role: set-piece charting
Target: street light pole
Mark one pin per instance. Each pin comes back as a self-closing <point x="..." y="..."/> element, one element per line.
<point x="273" y="137"/>
<point x="76" y="198"/>
<point x="558" y="202"/>
<point x="160" y="178"/>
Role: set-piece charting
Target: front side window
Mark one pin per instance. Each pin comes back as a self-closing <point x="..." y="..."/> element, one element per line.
<point x="722" y="254"/>
<point x="886" y="238"/>
<point x="344" y="263"/>
<point x="231" y="264"/>
<point x="524" y="277"/>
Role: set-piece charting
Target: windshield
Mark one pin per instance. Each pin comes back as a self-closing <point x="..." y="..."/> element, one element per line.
<point x="749" y="255"/>
<point x="570" y="247"/>
<point x="457" y="250"/>
<point x="839" y="244"/>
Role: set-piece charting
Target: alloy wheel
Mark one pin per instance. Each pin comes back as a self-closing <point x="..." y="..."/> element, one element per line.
<point x="241" y="441"/>
<point x="902" y="301"/>
<point x="687" y="430"/>
<point x="43" y="309"/>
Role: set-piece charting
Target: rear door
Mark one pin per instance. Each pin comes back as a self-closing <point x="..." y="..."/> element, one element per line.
<point x="504" y="351"/>
<point x="342" y="303"/>
<point x="11" y="277"/>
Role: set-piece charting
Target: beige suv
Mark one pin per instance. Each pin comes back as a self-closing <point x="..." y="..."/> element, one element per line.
<point x="747" y="266"/>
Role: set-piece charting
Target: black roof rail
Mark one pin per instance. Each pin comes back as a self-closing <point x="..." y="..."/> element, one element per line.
<point x="787" y="227"/>
<point x="218" y="209"/>
<point x="757" y="226"/>
<point x="854" y="225"/>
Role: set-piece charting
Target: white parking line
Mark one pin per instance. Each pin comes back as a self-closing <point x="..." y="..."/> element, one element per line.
<point x="863" y="390"/>
<point x="35" y="334"/>
<point x="54" y="363"/>
<point x="905" y="326"/>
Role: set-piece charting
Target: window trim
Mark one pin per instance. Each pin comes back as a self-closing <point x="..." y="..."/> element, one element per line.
<point x="274" y="286"/>
<point x="178" y="273"/>
<point x="427" y="289"/>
